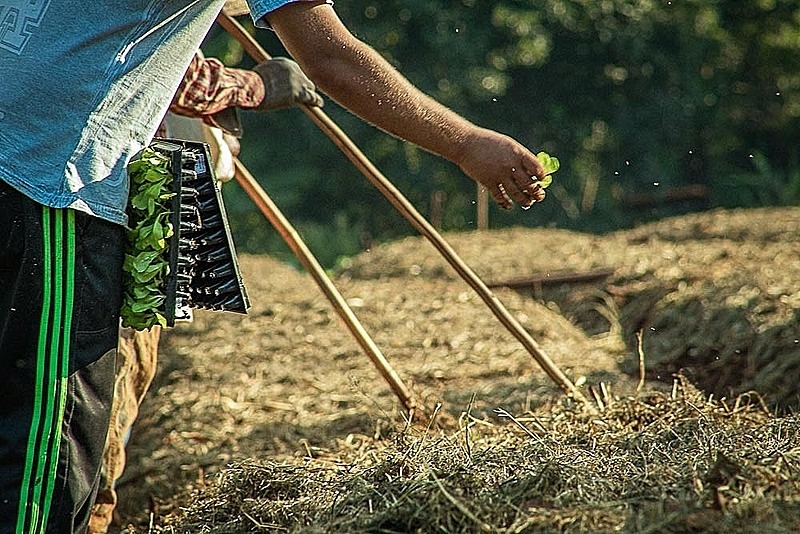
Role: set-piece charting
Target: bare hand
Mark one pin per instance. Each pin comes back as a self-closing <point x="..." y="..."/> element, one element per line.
<point x="508" y="170"/>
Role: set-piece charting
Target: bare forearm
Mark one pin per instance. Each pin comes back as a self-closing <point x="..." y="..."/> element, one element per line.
<point x="383" y="97"/>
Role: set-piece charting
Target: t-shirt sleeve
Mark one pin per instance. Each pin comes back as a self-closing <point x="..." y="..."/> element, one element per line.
<point x="259" y="9"/>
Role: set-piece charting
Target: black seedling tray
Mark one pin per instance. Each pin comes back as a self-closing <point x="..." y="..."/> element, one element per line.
<point x="203" y="270"/>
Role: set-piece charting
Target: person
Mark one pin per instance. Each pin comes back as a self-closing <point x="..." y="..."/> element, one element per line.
<point x="208" y="88"/>
<point x="82" y="90"/>
<point x="63" y="199"/>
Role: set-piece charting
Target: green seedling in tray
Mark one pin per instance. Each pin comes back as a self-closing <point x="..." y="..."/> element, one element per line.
<point x="146" y="263"/>
<point x="550" y="165"/>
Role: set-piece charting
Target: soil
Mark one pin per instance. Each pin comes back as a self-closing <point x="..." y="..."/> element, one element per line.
<point x="715" y="295"/>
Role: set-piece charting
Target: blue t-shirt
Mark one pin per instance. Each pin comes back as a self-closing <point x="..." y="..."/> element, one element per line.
<point x="83" y="87"/>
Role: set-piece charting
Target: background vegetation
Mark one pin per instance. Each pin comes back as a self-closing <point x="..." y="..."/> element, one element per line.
<point x="654" y="108"/>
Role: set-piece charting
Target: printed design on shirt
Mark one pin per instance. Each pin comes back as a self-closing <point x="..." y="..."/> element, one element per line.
<point x="18" y="21"/>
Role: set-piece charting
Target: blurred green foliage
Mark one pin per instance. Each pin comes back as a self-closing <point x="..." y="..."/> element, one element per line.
<point x="653" y="107"/>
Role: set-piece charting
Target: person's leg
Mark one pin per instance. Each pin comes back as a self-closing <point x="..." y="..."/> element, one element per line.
<point x="60" y="294"/>
<point x="137" y="357"/>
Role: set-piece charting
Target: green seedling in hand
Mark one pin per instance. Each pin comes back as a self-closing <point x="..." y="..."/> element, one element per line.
<point x="550" y="165"/>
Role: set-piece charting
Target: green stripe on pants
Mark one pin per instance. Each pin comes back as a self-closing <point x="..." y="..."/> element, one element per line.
<point x="52" y="365"/>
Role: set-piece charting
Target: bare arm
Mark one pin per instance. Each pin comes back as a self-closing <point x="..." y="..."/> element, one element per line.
<point x="357" y="77"/>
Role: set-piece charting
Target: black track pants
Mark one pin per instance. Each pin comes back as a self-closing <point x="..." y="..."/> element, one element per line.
<point x="60" y="292"/>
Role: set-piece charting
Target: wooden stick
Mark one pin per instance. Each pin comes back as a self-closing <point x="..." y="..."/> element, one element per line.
<point x="563" y="277"/>
<point x="295" y="242"/>
<point x="669" y="196"/>
<point x="408" y="211"/>
<point x="482" y="208"/>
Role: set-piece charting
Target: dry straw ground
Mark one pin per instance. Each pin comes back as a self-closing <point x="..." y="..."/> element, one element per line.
<point x="276" y="422"/>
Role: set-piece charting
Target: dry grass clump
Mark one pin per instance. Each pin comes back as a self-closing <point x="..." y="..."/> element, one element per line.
<point x="651" y="462"/>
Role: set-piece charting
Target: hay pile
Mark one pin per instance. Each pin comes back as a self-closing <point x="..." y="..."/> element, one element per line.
<point x="656" y="462"/>
<point x="715" y="294"/>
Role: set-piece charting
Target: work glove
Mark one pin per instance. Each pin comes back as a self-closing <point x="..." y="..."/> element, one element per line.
<point x="285" y="85"/>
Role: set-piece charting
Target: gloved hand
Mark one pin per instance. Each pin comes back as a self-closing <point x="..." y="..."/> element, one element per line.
<point x="285" y="85"/>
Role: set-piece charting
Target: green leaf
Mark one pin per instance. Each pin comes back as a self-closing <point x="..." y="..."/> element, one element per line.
<point x="140" y="292"/>
<point x="139" y="201"/>
<point x="550" y="165"/>
<point x="161" y="320"/>
<point x="151" y="272"/>
<point x="143" y="260"/>
<point x="148" y="303"/>
<point x="546" y="181"/>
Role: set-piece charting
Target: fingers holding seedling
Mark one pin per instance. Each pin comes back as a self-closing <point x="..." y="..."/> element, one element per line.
<point x="536" y="178"/>
<point x="511" y="173"/>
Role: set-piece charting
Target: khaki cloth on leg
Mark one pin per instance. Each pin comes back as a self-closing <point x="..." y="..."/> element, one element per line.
<point x="136" y="367"/>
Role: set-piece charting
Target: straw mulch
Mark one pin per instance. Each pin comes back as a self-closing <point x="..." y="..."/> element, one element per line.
<point x="277" y="422"/>
<point x="714" y="294"/>
<point x="655" y="462"/>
